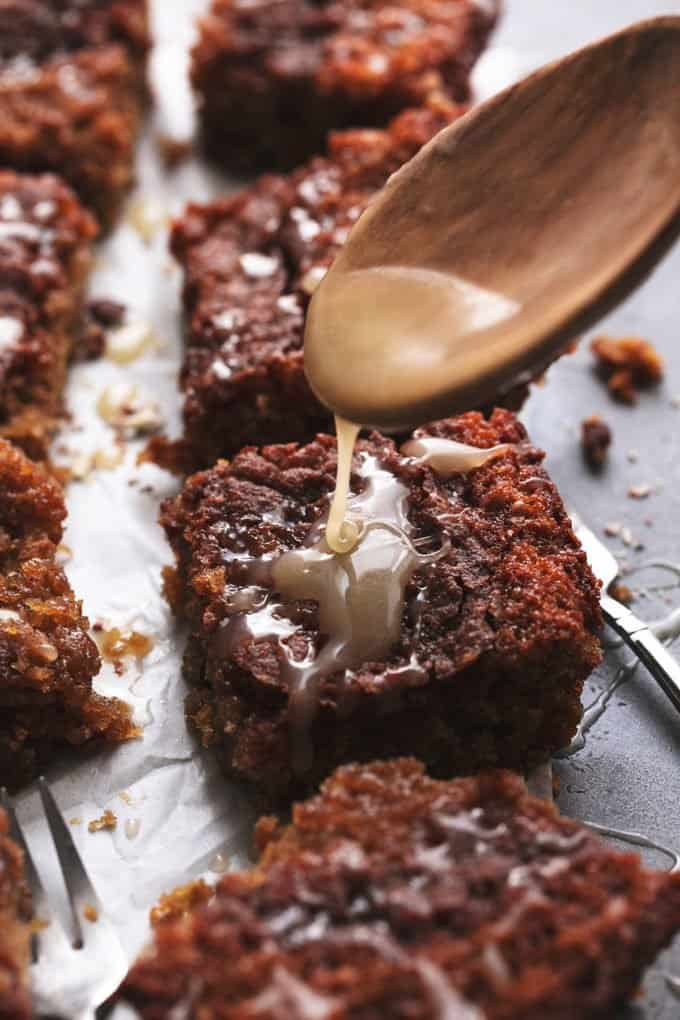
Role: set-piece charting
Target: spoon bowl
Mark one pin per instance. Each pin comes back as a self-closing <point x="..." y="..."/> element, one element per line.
<point x="512" y="230"/>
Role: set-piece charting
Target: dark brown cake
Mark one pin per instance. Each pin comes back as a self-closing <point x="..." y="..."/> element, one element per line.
<point x="14" y="930"/>
<point x="251" y="262"/>
<point x="72" y="88"/>
<point x="45" y="254"/>
<point x="502" y="625"/>
<point x="273" y="77"/>
<point x="47" y="659"/>
<point x="395" y="897"/>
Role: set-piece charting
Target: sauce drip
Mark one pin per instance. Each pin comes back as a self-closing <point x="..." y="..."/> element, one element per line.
<point x="360" y="596"/>
<point x="343" y="534"/>
<point x="446" y="457"/>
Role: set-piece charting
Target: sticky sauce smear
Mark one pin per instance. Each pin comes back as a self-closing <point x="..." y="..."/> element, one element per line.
<point x="360" y="590"/>
<point x="360" y="596"/>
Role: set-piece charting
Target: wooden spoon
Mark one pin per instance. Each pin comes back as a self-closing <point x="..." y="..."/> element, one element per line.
<point x="512" y="230"/>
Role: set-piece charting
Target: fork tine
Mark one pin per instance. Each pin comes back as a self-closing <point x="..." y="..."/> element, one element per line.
<point x="39" y="896"/>
<point x="80" y="890"/>
<point x="49" y="930"/>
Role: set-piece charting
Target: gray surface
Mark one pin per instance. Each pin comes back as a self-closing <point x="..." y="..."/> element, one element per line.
<point x="627" y="776"/>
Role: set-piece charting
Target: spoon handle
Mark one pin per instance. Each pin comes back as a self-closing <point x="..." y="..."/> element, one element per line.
<point x="651" y="652"/>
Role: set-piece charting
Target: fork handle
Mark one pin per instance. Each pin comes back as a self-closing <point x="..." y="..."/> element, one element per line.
<point x="663" y="667"/>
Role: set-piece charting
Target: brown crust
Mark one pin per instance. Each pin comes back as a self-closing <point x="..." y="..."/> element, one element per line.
<point x="76" y="106"/>
<point x="45" y="255"/>
<point x="47" y="659"/>
<point x="243" y="374"/>
<point x="391" y="892"/>
<point x="507" y="638"/>
<point x="273" y="78"/>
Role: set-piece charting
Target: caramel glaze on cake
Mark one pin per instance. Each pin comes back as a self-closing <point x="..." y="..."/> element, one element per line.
<point x="47" y="659"/>
<point x="396" y="897"/>
<point x="273" y="77"/>
<point x="502" y="627"/>
<point x="14" y="930"/>
<point x="45" y="255"/>
<point x="72" y="90"/>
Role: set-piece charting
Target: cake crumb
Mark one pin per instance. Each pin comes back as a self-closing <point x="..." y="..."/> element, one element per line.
<point x="640" y="491"/>
<point x="116" y="645"/>
<point x="180" y="901"/>
<point x="123" y="406"/>
<point x="613" y="529"/>
<point x="628" y="364"/>
<point x="174" y="150"/>
<point x="90" y="913"/>
<point x="108" y="821"/>
<point x="596" y="438"/>
<point x="621" y="592"/>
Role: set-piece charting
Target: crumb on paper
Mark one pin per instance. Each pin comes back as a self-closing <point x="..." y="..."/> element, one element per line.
<point x="640" y="491"/>
<point x="633" y="456"/>
<point x="105" y="823"/>
<point x="84" y="464"/>
<point x="612" y="529"/>
<point x="90" y="913"/>
<point x="596" y="438"/>
<point x="115" y="644"/>
<point x="124" y="406"/>
<point x="127" y="342"/>
<point x="171" y="906"/>
<point x="75" y="821"/>
<point x="174" y="150"/>
<point x="628" y="364"/>
<point x="621" y="592"/>
<point x="107" y="312"/>
<point x="125" y="797"/>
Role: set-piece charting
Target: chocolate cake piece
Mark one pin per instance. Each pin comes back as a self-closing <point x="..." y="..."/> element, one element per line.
<point x="45" y="255"/>
<point x="72" y="90"/>
<point x="251" y="262"/>
<point x="273" y="77"/>
<point x="47" y="659"/>
<point x="15" y="930"/>
<point x="398" y="897"/>
<point x="498" y="632"/>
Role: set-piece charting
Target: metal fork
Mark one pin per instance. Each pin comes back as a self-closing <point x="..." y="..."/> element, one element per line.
<point x="662" y="666"/>
<point x="70" y="979"/>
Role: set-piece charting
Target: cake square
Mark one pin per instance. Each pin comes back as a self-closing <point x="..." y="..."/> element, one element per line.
<point x="394" y="895"/>
<point x="47" y="658"/>
<point x="495" y="640"/>
<point x="45" y="255"/>
<point x="251" y="262"/>
<point x="273" y="77"/>
<point x="72" y="90"/>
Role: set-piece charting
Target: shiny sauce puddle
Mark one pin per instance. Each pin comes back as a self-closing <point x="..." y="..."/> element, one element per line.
<point x="356" y="565"/>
